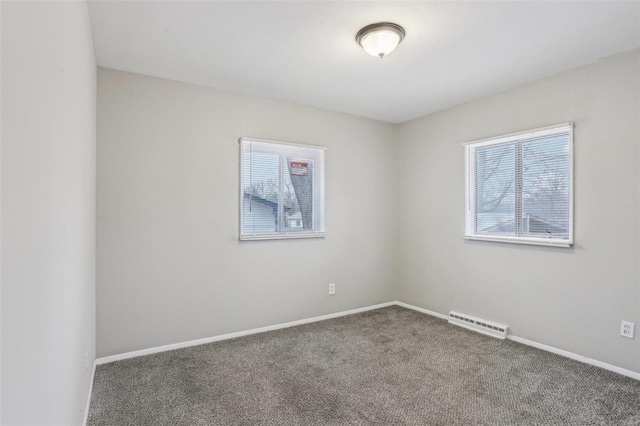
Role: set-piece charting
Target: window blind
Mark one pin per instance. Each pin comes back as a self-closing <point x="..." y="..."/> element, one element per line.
<point x="520" y="187"/>
<point x="281" y="190"/>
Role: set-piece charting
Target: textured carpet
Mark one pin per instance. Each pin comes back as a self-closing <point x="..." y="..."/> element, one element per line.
<point x="391" y="366"/>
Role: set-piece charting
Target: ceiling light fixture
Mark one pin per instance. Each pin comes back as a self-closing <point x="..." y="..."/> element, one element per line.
<point x="380" y="39"/>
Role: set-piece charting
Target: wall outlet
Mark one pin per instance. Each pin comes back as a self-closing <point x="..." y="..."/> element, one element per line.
<point x="332" y="288"/>
<point x="86" y="361"/>
<point x="627" y="329"/>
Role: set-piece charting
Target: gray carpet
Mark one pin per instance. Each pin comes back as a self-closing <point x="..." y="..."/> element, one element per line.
<point x="391" y="366"/>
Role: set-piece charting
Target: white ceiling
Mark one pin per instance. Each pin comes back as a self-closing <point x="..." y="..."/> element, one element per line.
<point x="305" y="51"/>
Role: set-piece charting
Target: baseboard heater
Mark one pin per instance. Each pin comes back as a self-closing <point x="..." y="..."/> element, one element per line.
<point x="477" y="324"/>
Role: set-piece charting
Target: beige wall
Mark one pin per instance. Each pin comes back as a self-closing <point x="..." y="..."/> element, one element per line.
<point x="170" y="266"/>
<point x="48" y="212"/>
<point x="572" y="299"/>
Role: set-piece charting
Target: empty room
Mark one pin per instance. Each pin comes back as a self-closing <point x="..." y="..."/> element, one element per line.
<point x="319" y="213"/>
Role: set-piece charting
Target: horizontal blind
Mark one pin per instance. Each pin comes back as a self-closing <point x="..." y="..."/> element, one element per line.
<point x="520" y="186"/>
<point x="545" y="187"/>
<point x="282" y="190"/>
<point x="495" y="187"/>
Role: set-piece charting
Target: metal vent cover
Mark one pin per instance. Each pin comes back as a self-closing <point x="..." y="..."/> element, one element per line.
<point x="477" y="324"/>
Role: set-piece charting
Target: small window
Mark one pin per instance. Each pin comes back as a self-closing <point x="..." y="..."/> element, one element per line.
<point x="281" y="190"/>
<point x="519" y="188"/>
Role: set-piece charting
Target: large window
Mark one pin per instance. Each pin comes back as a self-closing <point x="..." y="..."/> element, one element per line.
<point x="281" y="190"/>
<point x="519" y="187"/>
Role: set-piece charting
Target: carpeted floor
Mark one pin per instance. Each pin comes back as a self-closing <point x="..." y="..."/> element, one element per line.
<point x="391" y="366"/>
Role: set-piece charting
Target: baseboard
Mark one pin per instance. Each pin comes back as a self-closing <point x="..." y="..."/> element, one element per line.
<point x="149" y="351"/>
<point x="576" y="357"/>
<point x="562" y="352"/>
<point x="424" y="311"/>
<point x="86" y="410"/>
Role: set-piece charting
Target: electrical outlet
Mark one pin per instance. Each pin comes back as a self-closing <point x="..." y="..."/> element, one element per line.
<point x="86" y="361"/>
<point x="332" y="288"/>
<point x="627" y="329"/>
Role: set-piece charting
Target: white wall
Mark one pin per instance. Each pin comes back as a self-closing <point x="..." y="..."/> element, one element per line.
<point x="170" y="267"/>
<point x="573" y="299"/>
<point x="48" y="211"/>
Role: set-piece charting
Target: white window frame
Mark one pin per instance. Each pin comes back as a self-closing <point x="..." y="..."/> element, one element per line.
<point x="470" y="185"/>
<point x="318" y="192"/>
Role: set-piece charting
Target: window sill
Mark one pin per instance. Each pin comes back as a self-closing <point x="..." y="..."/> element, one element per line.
<point x="289" y="236"/>
<point x="522" y="240"/>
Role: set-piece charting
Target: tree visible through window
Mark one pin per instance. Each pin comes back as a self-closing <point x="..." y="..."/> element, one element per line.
<point x="519" y="187"/>
<point x="282" y="190"/>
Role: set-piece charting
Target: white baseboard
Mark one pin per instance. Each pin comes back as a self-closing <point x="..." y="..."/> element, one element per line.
<point x="562" y="352"/>
<point x="576" y="357"/>
<point x="424" y="311"/>
<point x="86" y="410"/>
<point x="149" y="351"/>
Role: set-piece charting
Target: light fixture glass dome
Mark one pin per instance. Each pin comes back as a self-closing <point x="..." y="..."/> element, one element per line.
<point x="380" y="39"/>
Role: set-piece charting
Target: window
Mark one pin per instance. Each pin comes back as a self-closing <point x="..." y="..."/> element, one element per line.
<point x="281" y="190"/>
<point x="519" y="188"/>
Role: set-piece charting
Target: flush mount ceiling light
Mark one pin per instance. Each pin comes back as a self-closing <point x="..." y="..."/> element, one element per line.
<point x="380" y="39"/>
